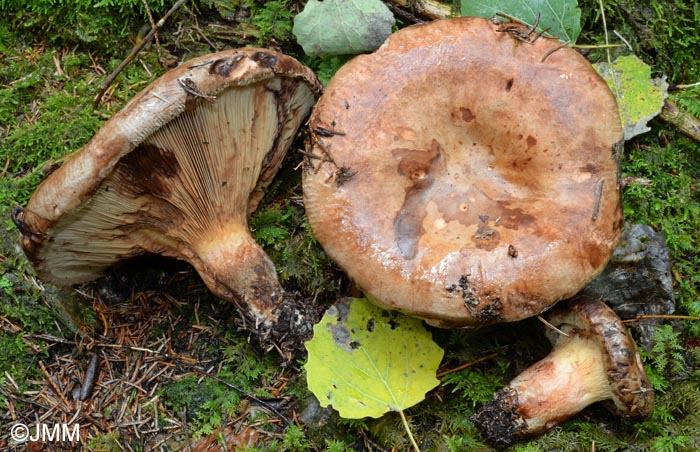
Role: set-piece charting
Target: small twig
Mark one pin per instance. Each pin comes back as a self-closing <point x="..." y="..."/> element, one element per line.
<point x="326" y="151"/>
<point x="12" y="381"/>
<point x="546" y="55"/>
<point x="5" y="324"/>
<point x="684" y="86"/>
<point x="153" y="25"/>
<point x="171" y="355"/>
<point x="209" y="41"/>
<point x="686" y="123"/>
<point x="324" y="132"/>
<point x="137" y="48"/>
<point x="312" y="156"/>
<point x="57" y="63"/>
<point x="431" y="9"/>
<point x="598" y="197"/>
<point x="629" y="46"/>
<point x="635" y="180"/>
<point x="190" y="88"/>
<point x="184" y="427"/>
<point x="518" y="29"/>
<point x="597" y="46"/>
<point x="53" y="384"/>
<point x="258" y="400"/>
<point x="396" y="9"/>
<point x="7" y="166"/>
<point x="661" y="316"/>
<point x="466" y="365"/>
<point x="550" y="326"/>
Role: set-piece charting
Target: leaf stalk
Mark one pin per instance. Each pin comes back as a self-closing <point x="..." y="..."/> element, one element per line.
<point x="408" y="430"/>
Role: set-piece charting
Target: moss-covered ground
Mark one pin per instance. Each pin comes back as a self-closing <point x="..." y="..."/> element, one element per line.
<point x="175" y="373"/>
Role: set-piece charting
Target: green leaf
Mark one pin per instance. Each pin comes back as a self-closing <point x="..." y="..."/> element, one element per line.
<point x="366" y="361"/>
<point x="341" y="27"/>
<point x="639" y="97"/>
<point x="560" y="18"/>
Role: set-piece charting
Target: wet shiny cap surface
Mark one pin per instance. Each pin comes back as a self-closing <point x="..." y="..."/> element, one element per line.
<point x="466" y="176"/>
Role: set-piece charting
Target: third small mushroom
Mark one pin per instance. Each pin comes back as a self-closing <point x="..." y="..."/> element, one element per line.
<point x="467" y="173"/>
<point x="593" y="359"/>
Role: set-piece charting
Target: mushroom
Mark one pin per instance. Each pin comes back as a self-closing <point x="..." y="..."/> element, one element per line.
<point x="177" y="172"/>
<point x="593" y="359"/>
<point x="465" y="173"/>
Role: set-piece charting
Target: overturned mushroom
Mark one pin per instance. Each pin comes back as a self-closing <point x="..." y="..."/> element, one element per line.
<point x="595" y="359"/>
<point x="464" y="174"/>
<point x="177" y="172"/>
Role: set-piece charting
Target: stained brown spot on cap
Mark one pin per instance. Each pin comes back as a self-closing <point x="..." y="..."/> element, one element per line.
<point x="265" y="59"/>
<point x="596" y="255"/>
<point x="590" y="168"/>
<point x="224" y="66"/>
<point x="512" y="252"/>
<point x="531" y="141"/>
<point x="514" y="218"/>
<point x="419" y="167"/>
<point x="467" y="115"/>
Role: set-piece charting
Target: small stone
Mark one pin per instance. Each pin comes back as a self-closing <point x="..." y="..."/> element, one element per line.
<point x="638" y="280"/>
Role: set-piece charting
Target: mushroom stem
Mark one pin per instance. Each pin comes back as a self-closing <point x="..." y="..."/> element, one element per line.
<point x="566" y="381"/>
<point x="596" y="360"/>
<point x="235" y="268"/>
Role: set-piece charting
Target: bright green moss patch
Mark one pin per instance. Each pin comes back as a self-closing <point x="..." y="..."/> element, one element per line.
<point x="671" y="203"/>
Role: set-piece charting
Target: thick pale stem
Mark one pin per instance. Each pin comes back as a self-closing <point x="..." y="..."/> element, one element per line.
<point x="567" y="380"/>
<point x="231" y="264"/>
<point x="235" y="268"/>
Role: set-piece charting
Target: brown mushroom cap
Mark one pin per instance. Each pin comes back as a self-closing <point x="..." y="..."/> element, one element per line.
<point x="466" y="176"/>
<point x="593" y="358"/>
<point x="177" y="172"/>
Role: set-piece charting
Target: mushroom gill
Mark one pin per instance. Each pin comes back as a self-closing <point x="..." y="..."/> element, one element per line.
<point x="188" y="183"/>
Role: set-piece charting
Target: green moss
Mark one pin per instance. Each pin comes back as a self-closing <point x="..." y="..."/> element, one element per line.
<point x="273" y="19"/>
<point x="688" y="99"/>
<point x="46" y="115"/>
<point x="670" y="203"/>
<point x="101" y="26"/>
<point x="663" y="33"/>
<point x="210" y="402"/>
<point x="280" y="226"/>
<point x="294" y="440"/>
<point x="326" y="67"/>
<point x="106" y="442"/>
<point x="204" y="400"/>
